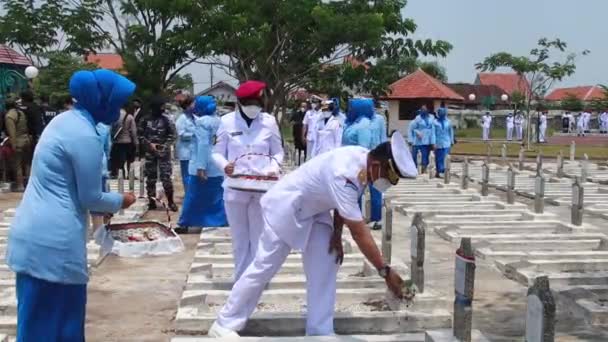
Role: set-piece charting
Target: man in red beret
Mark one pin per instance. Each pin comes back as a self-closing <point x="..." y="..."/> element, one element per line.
<point x="244" y="138"/>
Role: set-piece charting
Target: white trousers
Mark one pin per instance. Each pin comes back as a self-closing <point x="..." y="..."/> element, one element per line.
<point x="509" y="133"/>
<point x="246" y="225"/>
<point x="604" y="126"/>
<point x="519" y="132"/>
<point x="310" y="145"/>
<point x="486" y="133"/>
<point x="320" y="269"/>
<point x="542" y="130"/>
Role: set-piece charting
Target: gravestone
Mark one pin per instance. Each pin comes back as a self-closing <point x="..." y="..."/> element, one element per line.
<point x="417" y="239"/>
<point x="488" y="153"/>
<point x="464" y="285"/>
<point x="387" y="232"/>
<point x="419" y="162"/>
<point x="577" y="207"/>
<point x="540" y="313"/>
<point x="520" y="159"/>
<point x="448" y="169"/>
<point x="142" y="181"/>
<point x="131" y="180"/>
<point x="464" y="182"/>
<point x="510" y="185"/>
<point x="585" y="168"/>
<point x="431" y="167"/>
<point x="503" y="153"/>
<point x="560" y="165"/>
<point x="572" y="150"/>
<point x="539" y="163"/>
<point x="121" y="189"/>
<point x="539" y="193"/>
<point x="485" y="179"/>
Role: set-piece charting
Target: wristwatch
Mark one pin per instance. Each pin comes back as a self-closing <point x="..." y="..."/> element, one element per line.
<point x="384" y="271"/>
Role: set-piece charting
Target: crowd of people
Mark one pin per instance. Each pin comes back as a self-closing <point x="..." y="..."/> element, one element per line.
<point x="101" y="135"/>
<point x="580" y="124"/>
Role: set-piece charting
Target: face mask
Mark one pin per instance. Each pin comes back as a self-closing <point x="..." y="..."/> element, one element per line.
<point x="315" y="106"/>
<point x="326" y="115"/>
<point x="252" y="111"/>
<point x="382" y="184"/>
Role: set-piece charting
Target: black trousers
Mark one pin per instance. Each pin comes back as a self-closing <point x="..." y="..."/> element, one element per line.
<point x="120" y="155"/>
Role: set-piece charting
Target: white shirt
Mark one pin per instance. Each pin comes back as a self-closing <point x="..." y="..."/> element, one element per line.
<point x="234" y="140"/>
<point x="509" y="121"/>
<point x="486" y="121"/>
<point x="328" y="136"/>
<point x="519" y="120"/>
<point x="604" y="117"/>
<point x="310" y="119"/>
<point x="306" y="195"/>
<point x="543" y="120"/>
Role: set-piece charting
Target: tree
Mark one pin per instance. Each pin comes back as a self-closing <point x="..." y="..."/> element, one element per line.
<point x="572" y="103"/>
<point x="285" y="42"/>
<point x="181" y="83"/>
<point x="55" y="76"/>
<point x="434" y="69"/>
<point x="151" y="36"/>
<point x="537" y="69"/>
<point x="518" y="100"/>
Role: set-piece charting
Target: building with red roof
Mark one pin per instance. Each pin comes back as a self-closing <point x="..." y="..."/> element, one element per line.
<point x="10" y="57"/>
<point x="484" y="95"/>
<point x="111" y="61"/>
<point x="584" y="93"/>
<point x="408" y="94"/>
<point x="12" y="69"/>
<point x="508" y="82"/>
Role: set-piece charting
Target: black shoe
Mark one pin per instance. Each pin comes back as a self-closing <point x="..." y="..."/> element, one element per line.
<point x="377" y="226"/>
<point x="173" y="207"/>
<point x="181" y="230"/>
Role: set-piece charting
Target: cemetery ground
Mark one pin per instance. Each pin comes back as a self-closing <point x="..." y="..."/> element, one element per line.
<point x="478" y="148"/>
<point x="137" y="299"/>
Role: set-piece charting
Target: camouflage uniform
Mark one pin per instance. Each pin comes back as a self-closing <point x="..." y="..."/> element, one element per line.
<point x="159" y="131"/>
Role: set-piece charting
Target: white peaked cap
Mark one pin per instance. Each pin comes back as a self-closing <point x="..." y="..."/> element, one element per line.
<point x="402" y="156"/>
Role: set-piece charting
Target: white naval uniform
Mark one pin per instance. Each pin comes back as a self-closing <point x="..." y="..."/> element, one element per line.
<point x="328" y="135"/>
<point x="297" y="216"/>
<point x="510" y="127"/>
<point x="604" y="122"/>
<point x="542" y="128"/>
<point x="310" y="120"/>
<point x="519" y="127"/>
<point x="235" y="139"/>
<point x="587" y="120"/>
<point x="486" y="123"/>
<point x="580" y="124"/>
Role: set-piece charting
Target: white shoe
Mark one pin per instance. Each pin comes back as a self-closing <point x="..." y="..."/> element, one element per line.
<point x="219" y="331"/>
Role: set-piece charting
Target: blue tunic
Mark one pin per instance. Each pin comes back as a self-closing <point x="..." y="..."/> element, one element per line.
<point x="48" y="236"/>
<point x="421" y="131"/>
<point x="359" y="133"/>
<point x="379" y="130"/>
<point x="444" y="134"/>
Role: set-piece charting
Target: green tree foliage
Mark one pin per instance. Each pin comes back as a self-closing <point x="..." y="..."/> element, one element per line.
<point x="284" y="42"/>
<point x="55" y="76"/>
<point x="572" y="103"/>
<point x="538" y="68"/>
<point x="181" y="82"/>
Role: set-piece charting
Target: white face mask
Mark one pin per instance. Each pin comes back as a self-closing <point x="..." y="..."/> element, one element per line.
<point x="326" y="115"/>
<point x="252" y="111"/>
<point x="382" y="184"/>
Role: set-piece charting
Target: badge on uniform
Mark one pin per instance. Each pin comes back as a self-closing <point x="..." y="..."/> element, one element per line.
<point x="235" y="134"/>
<point x="362" y="177"/>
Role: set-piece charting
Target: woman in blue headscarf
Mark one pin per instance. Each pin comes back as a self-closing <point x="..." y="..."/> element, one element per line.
<point x="47" y="239"/>
<point x="358" y="129"/>
<point x="204" y="203"/>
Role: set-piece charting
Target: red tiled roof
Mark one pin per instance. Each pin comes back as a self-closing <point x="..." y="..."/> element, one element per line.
<point x="480" y="91"/>
<point x="420" y="85"/>
<point x="585" y="93"/>
<point x="10" y="56"/>
<point x="507" y="82"/>
<point x="109" y="61"/>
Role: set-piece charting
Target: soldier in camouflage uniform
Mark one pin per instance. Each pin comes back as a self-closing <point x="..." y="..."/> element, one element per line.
<point x="157" y="135"/>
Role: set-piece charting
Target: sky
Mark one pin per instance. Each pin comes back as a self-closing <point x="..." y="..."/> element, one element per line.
<point x="479" y="28"/>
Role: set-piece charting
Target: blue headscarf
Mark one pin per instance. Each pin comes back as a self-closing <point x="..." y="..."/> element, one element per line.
<point x="442" y="113"/>
<point x="101" y="93"/>
<point x="204" y="105"/>
<point x="359" y="108"/>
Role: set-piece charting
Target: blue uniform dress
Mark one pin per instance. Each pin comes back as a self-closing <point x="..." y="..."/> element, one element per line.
<point x="204" y="202"/>
<point x="422" y="136"/>
<point x="379" y="136"/>
<point x="444" y="135"/>
<point x="185" y="137"/>
<point x="47" y="239"/>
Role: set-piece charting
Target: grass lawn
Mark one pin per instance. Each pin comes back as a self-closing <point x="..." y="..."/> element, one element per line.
<point x="495" y="133"/>
<point x="480" y="148"/>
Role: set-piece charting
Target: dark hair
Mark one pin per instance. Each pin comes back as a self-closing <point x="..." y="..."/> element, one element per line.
<point x="67" y="100"/>
<point x="186" y="102"/>
<point x="27" y="95"/>
<point x="442" y="104"/>
<point x="382" y="152"/>
<point x="44" y="98"/>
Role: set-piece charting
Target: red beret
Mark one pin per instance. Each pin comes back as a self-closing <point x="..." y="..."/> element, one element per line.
<point x="250" y="90"/>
